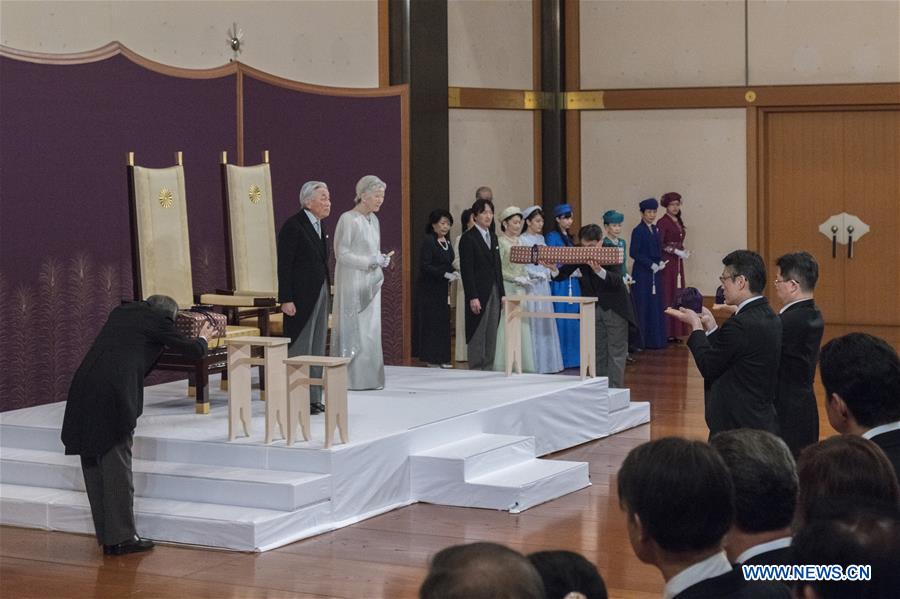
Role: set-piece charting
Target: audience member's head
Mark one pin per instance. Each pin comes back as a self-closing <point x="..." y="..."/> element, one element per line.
<point x="679" y="499"/>
<point x="565" y="572"/>
<point x="481" y="571"/>
<point x="744" y="275"/>
<point x="844" y="469"/>
<point x="861" y="376"/>
<point x="765" y="478"/>
<point x="765" y="486"/>
<point x="858" y="535"/>
<point x="164" y="304"/>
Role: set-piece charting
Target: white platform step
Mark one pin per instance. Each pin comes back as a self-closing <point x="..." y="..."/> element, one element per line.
<point x="619" y="399"/>
<point x="233" y="527"/>
<point x="267" y="489"/>
<point x="492" y="471"/>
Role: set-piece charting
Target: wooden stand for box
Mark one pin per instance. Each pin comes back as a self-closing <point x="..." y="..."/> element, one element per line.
<point x="513" y="313"/>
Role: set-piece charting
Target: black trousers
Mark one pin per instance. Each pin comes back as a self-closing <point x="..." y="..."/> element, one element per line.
<point x="110" y="490"/>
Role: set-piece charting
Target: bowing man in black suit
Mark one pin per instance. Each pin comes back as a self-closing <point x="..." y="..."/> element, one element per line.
<point x="616" y="314"/>
<point x="105" y="400"/>
<point x="679" y="502"/>
<point x="765" y="480"/>
<point x="801" y="333"/>
<point x="861" y="376"/>
<point x="739" y="362"/>
<point x="304" y="281"/>
<point x="482" y="277"/>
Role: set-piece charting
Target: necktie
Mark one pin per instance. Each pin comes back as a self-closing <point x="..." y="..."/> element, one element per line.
<point x="318" y="227"/>
<point x="487" y="239"/>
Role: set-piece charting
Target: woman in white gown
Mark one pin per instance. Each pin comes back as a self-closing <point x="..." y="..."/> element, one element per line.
<point x="544" y="336"/>
<point x="356" y="332"/>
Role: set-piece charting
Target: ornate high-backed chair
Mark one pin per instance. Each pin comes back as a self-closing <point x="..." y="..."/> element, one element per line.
<point x="252" y="240"/>
<point x="161" y="259"/>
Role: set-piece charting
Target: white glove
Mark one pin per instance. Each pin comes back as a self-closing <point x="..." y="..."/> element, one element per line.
<point x="662" y="265"/>
<point x="451" y="276"/>
<point x="680" y="253"/>
<point x="627" y="278"/>
<point x="655" y="268"/>
<point x="523" y="281"/>
<point x="576" y="274"/>
<point x="384" y="260"/>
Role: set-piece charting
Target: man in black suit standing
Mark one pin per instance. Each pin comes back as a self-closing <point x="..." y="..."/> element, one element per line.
<point x="679" y="503"/>
<point x="801" y="333"/>
<point x="105" y="400"/>
<point x="482" y="277"/>
<point x="861" y="376"/>
<point x="304" y="283"/>
<point x="765" y="496"/>
<point x="739" y="362"/>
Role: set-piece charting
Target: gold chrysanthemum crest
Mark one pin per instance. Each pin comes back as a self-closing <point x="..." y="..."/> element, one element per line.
<point x="166" y="199"/>
<point x="255" y="194"/>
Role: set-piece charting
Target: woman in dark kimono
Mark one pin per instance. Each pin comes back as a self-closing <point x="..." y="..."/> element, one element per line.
<point x="648" y="262"/>
<point x="671" y="238"/>
<point x="432" y="330"/>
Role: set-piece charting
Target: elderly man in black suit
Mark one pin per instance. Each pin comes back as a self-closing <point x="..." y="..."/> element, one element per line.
<point x="679" y="502"/>
<point x="482" y="277"/>
<point x="861" y="376"/>
<point x="304" y="282"/>
<point x="739" y="362"/>
<point x="802" y="326"/>
<point x="105" y="400"/>
<point x="765" y="480"/>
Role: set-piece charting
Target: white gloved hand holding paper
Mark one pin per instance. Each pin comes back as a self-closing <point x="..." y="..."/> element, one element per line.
<point x="654" y="268"/>
<point x="523" y="281"/>
<point x="661" y="265"/>
<point x="384" y="260"/>
<point x="683" y="254"/>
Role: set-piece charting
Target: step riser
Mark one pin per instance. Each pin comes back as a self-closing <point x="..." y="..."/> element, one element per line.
<point x="498" y="459"/>
<point x="619" y="399"/>
<point x="512" y="499"/>
<point x="274" y="496"/>
<point x="237" y="454"/>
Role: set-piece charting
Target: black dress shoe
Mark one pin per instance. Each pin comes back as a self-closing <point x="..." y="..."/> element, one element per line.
<point x="316" y="408"/>
<point x="135" y="545"/>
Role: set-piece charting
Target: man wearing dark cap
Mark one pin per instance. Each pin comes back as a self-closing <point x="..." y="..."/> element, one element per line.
<point x="739" y="361"/>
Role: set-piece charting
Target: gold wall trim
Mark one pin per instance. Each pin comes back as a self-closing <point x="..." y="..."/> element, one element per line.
<point x="498" y="99"/>
<point x="583" y="100"/>
<point x="686" y="97"/>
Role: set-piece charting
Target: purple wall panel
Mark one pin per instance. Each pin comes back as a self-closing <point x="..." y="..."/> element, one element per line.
<point x="65" y="254"/>
<point x="336" y="140"/>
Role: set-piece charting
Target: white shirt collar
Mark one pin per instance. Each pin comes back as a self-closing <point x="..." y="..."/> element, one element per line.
<point x="311" y="217"/>
<point x="746" y="301"/>
<point x="714" y="565"/>
<point x="884" y="428"/>
<point x="483" y="230"/>
<point x="786" y="306"/>
<point x="763" y="548"/>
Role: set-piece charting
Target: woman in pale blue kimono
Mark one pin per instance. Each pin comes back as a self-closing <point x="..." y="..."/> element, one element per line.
<point x="515" y="282"/>
<point x="356" y="331"/>
<point x="544" y="335"/>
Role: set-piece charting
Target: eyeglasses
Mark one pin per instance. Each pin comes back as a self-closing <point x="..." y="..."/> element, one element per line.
<point x="780" y="281"/>
<point x="722" y="279"/>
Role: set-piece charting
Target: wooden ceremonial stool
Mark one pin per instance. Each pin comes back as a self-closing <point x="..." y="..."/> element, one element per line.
<point x="240" y="361"/>
<point x="334" y="390"/>
<point x="587" y="334"/>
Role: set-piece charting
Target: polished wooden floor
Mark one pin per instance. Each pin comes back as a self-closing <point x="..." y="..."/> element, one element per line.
<point x="387" y="556"/>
